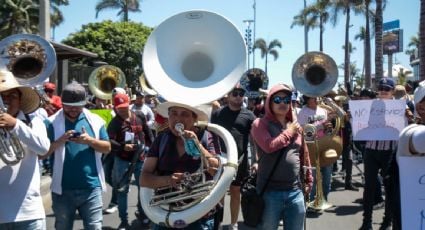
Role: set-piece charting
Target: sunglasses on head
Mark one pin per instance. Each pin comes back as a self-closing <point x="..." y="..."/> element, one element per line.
<point x="384" y="88"/>
<point x="279" y="99"/>
<point x="238" y="93"/>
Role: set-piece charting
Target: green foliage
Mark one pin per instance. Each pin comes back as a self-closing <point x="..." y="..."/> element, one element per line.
<point x="117" y="43"/>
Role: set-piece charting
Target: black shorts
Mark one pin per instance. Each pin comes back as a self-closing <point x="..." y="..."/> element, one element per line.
<point x="243" y="171"/>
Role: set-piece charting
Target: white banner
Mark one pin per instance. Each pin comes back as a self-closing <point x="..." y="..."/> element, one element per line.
<point x="412" y="192"/>
<point x="377" y="119"/>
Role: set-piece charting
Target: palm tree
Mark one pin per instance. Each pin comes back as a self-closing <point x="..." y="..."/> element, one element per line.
<point x="308" y="23"/>
<point x="56" y="16"/>
<point x="402" y="76"/>
<point x="318" y="12"/>
<point x="367" y="55"/>
<point x="267" y="49"/>
<point x="361" y="37"/>
<point x="124" y="6"/>
<point x="379" y="55"/>
<point x="345" y="6"/>
<point x="422" y="42"/>
<point x="18" y="16"/>
<point x="413" y="45"/>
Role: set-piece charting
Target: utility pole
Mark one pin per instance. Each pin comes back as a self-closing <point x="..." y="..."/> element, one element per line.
<point x="253" y="37"/>
<point x="44" y="19"/>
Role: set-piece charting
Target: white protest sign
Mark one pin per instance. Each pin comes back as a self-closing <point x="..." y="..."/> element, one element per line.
<point x="412" y="192"/>
<point x="377" y="119"/>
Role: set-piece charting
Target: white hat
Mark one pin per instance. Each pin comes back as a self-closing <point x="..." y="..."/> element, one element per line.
<point x="403" y="146"/>
<point x="419" y="93"/>
<point x="30" y="100"/>
<point x="163" y="108"/>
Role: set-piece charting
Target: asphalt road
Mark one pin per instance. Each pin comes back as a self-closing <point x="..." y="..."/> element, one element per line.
<point x="346" y="213"/>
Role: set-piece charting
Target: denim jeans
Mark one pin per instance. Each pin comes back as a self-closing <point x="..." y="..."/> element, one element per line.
<point x="326" y="182"/>
<point x="38" y="224"/>
<point x="286" y="205"/>
<point x="202" y="224"/>
<point x="88" y="202"/>
<point x="119" y="169"/>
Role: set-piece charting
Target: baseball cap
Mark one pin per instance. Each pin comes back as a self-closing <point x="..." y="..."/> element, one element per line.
<point x="121" y="101"/>
<point x="386" y="82"/>
<point x="74" y="94"/>
<point x="49" y="85"/>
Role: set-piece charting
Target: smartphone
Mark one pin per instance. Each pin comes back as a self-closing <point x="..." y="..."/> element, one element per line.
<point x="76" y="134"/>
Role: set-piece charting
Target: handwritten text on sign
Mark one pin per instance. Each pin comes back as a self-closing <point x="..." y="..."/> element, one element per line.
<point x="412" y="190"/>
<point x="377" y="119"/>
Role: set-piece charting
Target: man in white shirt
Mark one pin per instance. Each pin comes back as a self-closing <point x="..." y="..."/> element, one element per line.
<point x="140" y="106"/>
<point x="21" y="203"/>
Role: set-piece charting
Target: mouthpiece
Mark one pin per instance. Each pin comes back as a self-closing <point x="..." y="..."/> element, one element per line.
<point x="179" y="127"/>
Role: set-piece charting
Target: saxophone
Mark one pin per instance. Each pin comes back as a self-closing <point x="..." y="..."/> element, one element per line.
<point x="11" y="150"/>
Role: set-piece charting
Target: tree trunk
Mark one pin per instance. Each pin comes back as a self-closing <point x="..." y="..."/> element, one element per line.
<point x="367" y="54"/>
<point x="347" y="44"/>
<point x="422" y="42"/>
<point x="379" y="68"/>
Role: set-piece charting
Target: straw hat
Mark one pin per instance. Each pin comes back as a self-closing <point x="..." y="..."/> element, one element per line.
<point x="30" y="100"/>
<point x="163" y="108"/>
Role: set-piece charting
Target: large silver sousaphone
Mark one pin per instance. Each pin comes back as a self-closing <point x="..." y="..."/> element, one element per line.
<point x="31" y="59"/>
<point x="193" y="58"/>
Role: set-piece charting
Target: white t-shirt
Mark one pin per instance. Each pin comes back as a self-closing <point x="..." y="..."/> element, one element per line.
<point x="20" y="197"/>
<point x="306" y="112"/>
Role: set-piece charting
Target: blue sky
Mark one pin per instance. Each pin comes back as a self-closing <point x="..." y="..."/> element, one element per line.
<point x="273" y="21"/>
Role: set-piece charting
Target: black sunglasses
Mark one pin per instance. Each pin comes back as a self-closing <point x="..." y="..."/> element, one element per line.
<point x="279" y="99"/>
<point x="238" y="93"/>
<point x="385" y="88"/>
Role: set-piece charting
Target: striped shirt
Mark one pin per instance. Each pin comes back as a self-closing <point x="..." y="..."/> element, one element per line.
<point x="381" y="145"/>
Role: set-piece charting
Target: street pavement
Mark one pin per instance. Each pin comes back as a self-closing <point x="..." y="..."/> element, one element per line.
<point x="346" y="214"/>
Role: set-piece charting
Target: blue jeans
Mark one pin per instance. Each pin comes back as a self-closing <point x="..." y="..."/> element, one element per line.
<point x="286" y="205"/>
<point x="202" y="224"/>
<point x="119" y="169"/>
<point x="88" y="202"/>
<point x="38" y="224"/>
<point x="326" y="182"/>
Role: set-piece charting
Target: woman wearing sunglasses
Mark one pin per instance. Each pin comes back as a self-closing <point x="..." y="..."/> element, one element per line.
<point x="274" y="134"/>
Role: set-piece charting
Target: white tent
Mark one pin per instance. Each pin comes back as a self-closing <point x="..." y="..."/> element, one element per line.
<point x="397" y="68"/>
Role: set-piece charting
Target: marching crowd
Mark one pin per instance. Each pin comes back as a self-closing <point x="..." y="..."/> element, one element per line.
<point x="67" y="139"/>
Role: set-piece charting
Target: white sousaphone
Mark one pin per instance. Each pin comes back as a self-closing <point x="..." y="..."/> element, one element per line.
<point x="193" y="58"/>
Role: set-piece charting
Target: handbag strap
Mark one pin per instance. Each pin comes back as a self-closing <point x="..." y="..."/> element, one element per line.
<point x="271" y="173"/>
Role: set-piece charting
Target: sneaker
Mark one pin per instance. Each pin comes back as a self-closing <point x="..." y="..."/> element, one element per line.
<point x="233" y="226"/>
<point x="123" y="226"/>
<point x="111" y="209"/>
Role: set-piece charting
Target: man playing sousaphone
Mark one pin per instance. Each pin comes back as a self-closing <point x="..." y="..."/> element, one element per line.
<point x="21" y="204"/>
<point x="171" y="155"/>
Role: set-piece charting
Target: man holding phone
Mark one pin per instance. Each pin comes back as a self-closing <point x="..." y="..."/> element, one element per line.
<point x="78" y="139"/>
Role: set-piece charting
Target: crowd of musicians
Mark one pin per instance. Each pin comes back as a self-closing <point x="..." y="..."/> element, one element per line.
<point x="83" y="153"/>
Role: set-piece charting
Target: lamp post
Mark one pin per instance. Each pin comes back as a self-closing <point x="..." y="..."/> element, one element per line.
<point x="248" y="39"/>
<point x="254" y="6"/>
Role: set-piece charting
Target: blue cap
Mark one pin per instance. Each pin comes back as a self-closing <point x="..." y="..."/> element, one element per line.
<point x="386" y="82"/>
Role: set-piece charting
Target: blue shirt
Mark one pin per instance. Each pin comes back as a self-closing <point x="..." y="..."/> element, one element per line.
<point x="79" y="168"/>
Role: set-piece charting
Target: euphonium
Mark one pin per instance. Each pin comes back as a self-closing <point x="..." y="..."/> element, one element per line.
<point x="10" y="145"/>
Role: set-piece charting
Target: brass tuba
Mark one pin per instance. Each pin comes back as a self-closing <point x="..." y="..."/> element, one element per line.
<point x="145" y="85"/>
<point x="193" y="58"/>
<point x="31" y="59"/>
<point x="104" y="79"/>
<point x="314" y="74"/>
<point x="254" y="81"/>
